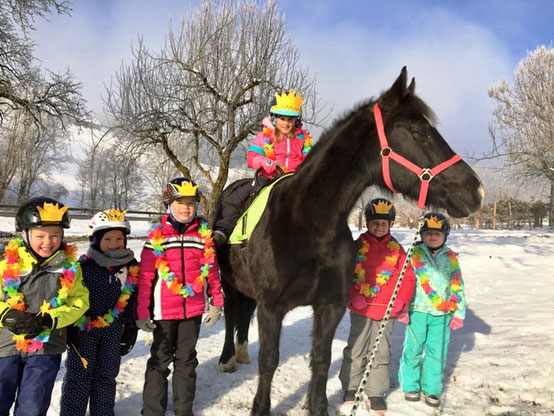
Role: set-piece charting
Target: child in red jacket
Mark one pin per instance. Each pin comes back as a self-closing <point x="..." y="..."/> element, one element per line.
<point x="379" y="262"/>
<point x="178" y="264"/>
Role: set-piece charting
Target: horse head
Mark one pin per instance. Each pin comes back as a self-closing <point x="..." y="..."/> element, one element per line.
<point x="409" y="128"/>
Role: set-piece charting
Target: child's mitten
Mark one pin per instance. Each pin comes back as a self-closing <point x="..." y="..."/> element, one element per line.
<point x="128" y="338"/>
<point x="146" y="324"/>
<point x="214" y="313"/>
<point x="358" y="302"/>
<point x="397" y="306"/>
<point x="456" y="323"/>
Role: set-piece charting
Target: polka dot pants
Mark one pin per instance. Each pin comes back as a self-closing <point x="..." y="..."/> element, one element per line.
<point x="100" y="347"/>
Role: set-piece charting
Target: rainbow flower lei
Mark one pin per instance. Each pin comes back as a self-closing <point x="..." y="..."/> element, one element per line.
<point x="269" y="140"/>
<point x="86" y="323"/>
<point x="382" y="277"/>
<point x="208" y="258"/>
<point x="438" y="303"/>
<point x="11" y="282"/>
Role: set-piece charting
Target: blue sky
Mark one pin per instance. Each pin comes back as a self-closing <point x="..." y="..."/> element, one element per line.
<point x="454" y="49"/>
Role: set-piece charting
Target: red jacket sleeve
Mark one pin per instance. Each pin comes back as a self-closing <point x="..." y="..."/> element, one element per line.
<point x="147" y="272"/>
<point x="407" y="287"/>
<point x="214" y="284"/>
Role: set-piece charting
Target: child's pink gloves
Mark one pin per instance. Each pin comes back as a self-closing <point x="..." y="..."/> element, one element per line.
<point x="456" y="323"/>
<point x="404" y="317"/>
<point x="269" y="166"/>
<point x="397" y="306"/>
<point x="359" y="302"/>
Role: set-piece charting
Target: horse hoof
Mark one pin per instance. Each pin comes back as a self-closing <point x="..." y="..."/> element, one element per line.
<point x="241" y="353"/>
<point x="228" y="367"/>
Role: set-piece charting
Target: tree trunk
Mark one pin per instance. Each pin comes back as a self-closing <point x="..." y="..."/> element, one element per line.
<point x="551" y="206"/>
<point x="551" y="210"/>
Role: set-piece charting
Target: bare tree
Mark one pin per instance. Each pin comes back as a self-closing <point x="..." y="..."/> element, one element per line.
<point x="108" y="176"/>
<point x="208" y="88"/>
<point x="524" y="116"/>
<point x="23" y="85"/>
<point x="10" y="149"/>
<point x="43" y="151"/>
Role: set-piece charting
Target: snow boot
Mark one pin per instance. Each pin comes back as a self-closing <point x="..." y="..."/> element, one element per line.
<point x="377" y="404"/>
<point x="432" y="400"/>
<point x="412" y="396"/>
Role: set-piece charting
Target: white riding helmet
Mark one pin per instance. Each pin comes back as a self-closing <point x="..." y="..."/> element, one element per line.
<point x="112" y="218"/>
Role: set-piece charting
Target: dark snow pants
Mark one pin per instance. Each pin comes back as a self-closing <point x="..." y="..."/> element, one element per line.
<point x="100" y="347"/>
<point x="31" y="379"/>
<point x="174" y="341"/>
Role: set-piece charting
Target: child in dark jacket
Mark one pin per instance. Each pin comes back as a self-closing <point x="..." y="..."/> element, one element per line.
<point x="178" y="265"/>
<point x="107" y="331"/>
<point x="379" y="262"/>
<point x="42" y="293"/>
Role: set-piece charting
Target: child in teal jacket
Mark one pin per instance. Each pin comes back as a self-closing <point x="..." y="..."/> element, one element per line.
<point x="438" y="306"/>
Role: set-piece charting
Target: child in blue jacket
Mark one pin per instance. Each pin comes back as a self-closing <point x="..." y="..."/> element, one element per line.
<point x="438" y="306"/>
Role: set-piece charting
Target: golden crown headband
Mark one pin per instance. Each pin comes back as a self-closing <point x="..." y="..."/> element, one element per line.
<point x="382" y="207"/>
<point x="432" y="222"/>
<point x="290" y="102"/>
<point x="115" y="215"/>
<point x="51" y="212"/>
<point x="186" y="188"/>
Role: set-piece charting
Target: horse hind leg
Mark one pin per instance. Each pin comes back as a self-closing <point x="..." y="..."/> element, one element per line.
<point x="326" y="318"/>
<point x="246" y="310"/>
<point x="270" y="321"/>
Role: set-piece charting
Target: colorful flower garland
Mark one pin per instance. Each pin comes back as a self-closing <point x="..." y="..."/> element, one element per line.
<point x="86" y="323"/>
<point x="269" y="138"/>
<point x="208" y="257"/>
<point x="11" y="282"/>
<point x="382" y="277"/>
<point x="438" y="303"/>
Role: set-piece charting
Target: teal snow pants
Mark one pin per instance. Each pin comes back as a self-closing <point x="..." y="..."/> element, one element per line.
<point x="429" y="334"/>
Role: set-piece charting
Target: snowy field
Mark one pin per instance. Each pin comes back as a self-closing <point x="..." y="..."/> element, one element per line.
<point x="499" y="363"/>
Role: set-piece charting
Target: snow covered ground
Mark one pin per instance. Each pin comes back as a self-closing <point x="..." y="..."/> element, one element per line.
<point x="499" y="363"/>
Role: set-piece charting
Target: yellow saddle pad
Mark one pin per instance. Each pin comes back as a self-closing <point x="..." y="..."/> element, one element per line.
<point x="248" y="221"/>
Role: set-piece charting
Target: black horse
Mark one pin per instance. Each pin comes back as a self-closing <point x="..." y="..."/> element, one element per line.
<point x="302" y="251"/>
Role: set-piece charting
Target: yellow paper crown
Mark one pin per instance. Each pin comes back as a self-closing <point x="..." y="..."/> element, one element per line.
<point x="115" y="215"/>
<point x="186" y="188"/>
<point x="51" y="212"/>
<point x="382" y="207"/>
<point x="432" y="222"/>
<point x="288" y="102"/>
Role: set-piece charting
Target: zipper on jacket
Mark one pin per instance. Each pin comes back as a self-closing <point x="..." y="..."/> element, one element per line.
<point x="183" y="274"/>
<point x="288" y="153"/>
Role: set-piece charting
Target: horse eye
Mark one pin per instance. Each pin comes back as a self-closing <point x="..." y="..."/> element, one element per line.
<point x="423" y="133"/>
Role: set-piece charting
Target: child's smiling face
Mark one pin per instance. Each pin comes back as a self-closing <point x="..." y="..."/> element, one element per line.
<point x="112" y="240"/>
<point x="184" y="209"/>
<point x="45" y="241"/>
<point x="378" y="228"/>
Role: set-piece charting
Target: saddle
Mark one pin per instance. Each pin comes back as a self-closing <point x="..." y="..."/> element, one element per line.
<point x="249" y="219"/>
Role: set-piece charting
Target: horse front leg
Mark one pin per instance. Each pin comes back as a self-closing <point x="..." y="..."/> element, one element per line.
<point x="227" y="362"/>
<point x="270" y="320"/>
<point x="326" y="318"/>
<point x="245" y="312"/>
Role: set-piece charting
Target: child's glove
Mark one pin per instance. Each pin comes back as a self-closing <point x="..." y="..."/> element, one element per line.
<point x="73" y="333"/>
<point x="36" y="324"/>
<point x="397" y="306"/>
<point x="146" y="324"/>
<point x="358" y="302"/>
<point x="128" y="338"/>
<point x="404" y="317"/>
<point x="456" y="323"/>
<point x="214" y="313"/>
<point x="269" y="166"/>
<point x="13" y="319"/>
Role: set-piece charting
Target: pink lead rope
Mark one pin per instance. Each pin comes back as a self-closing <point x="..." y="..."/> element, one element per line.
<point x="425" y="174"/>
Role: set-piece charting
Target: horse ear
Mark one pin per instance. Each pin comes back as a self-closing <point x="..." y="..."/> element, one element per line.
<point x="392" y="97"/>
<point x="411" y="88"/>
